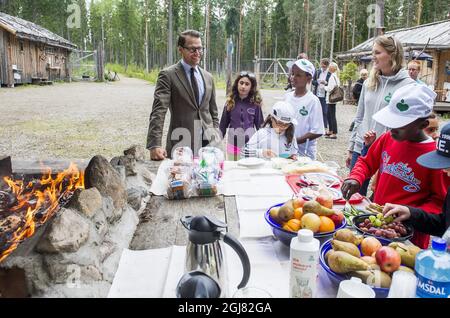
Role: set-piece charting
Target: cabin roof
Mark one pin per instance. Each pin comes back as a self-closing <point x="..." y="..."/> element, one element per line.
<point x="24" y="29"/>
<point x="412" y="38"/>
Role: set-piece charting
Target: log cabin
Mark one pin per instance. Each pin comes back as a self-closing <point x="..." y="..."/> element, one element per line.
<point x="429" y="44"/>
<point x="30" y="53"/>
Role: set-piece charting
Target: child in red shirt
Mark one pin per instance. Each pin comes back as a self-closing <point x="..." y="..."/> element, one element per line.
<point x="401" y="179"/>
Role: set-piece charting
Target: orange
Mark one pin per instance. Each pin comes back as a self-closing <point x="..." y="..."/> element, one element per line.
<point x="298" y="212"/>
<point x="326" y="224"/>
<point x="292" y="225"/>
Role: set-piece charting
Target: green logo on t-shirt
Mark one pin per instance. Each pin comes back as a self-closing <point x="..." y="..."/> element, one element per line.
<point x="388" y="97"/>
<point x="303" y="111"/>
<point x="304" y="63"/>
<point x="402" y="106"/>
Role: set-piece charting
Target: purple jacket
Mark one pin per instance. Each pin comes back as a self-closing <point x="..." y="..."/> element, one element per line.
<point x="244" y="115"/>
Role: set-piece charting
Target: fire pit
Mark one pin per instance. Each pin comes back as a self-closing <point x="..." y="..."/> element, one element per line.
<point x="62" y="232"/>
<point x="26" y="206"/>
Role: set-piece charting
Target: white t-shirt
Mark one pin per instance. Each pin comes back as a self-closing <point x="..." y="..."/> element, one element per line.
<point x="267" y="138"/>
<point x="309" y="118"/>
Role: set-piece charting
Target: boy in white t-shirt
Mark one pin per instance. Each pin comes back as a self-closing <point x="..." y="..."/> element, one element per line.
<point x="307" y="109"/>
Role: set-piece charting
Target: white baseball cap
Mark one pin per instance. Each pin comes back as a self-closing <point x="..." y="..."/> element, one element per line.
<point x="407" y="104"/>
<point x="283" y="111"/>
<point x="306" y="66"/>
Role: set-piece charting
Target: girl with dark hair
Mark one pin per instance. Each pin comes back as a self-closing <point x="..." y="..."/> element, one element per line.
<point x="242" y="115"/>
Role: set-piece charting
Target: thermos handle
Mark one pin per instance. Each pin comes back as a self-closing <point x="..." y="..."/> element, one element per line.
<point x="239" y="249"/>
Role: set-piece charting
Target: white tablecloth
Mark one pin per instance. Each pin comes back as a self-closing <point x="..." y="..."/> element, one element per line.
<point x="155" y="273"/>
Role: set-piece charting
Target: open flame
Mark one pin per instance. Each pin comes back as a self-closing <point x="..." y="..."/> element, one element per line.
<point x="37" y="201"/>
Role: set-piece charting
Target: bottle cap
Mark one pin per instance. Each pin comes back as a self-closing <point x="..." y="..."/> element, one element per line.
<point x="305" y="235"/>
<point x="439" y="244"/>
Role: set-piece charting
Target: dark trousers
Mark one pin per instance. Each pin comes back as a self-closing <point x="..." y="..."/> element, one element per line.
<point x="324" y="105"/>
<point x="355" y="156"/>
<point x="332" y="123"/>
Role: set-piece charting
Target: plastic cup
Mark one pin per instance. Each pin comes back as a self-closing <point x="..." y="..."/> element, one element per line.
<point x="354" y="288"/>
<point x="403" y="285"/>
<point x="251" y="292"/>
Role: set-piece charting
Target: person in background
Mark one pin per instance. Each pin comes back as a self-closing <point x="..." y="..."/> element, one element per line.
<point x="414" y="71"/>
<point x="433" y="224"/>
<point x="276" y="137"/>
<point x="356" y="91"/>
<point x="384" y="79"/>
<point x="319" y="81"/>
<point x="289" y="65"/>
<point x="400" y="179"/>
<point x="242" y="114"/>
<point x="331" y="108"/>
<point x="432" y="129"/>
<point x="307" y="109"/>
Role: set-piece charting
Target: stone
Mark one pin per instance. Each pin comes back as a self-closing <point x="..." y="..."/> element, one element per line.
<point x="145" y="173"/>
<point x="87" y="201"/>
<point x="138" y="152"/>
<point x="112" y="213"/>
<point x="61" y="273"/>
<point x="101" y="223"/>
<point x="100" y="174"/>
<point x="68" y="231"/>
<point x="135" y="196"/>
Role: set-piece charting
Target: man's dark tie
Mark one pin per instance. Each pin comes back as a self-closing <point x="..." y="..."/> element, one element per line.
<point x="195" y="86"/>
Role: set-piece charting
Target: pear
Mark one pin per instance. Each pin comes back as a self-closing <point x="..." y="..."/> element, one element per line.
<point x="274" y="215"/>
<point x="286" y="211"/>
<point x="345" y="247"/>
<point x="347" y="235"/>
<point x="342" y="262"/>
<point x="315" y="207"/>
<point x="375" y="278"/>
<point x="406" y="269"/>
<point x="407" y="253"/>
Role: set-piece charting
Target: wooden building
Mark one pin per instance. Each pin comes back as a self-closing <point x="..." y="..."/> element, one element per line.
<point x="31" y="54"/>
<point x="435" y="65"/>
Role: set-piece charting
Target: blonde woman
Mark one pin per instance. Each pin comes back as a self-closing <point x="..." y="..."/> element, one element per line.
<point x="331" y="109"/>
<point x="386" y="76"/>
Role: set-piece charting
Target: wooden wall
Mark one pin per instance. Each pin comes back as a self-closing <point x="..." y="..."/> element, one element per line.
<point x="33" y="59"/>
<point x="442" y="76"/>
<point x="3" y="58"/>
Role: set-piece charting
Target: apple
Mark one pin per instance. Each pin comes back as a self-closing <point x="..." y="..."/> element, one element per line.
<point x="311" y="222"/>
<point x="325" y="200"/>
<point x="388" y="259"/>
<point x="337" y="218"/>
<point x="298" y="203"/>
<point x="369" y="245"/>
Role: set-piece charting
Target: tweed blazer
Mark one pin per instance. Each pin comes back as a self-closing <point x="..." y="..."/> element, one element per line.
<point x="189" y="122"/>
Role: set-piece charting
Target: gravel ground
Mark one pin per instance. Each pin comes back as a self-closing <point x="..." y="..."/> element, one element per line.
<point x="80" y="120"/>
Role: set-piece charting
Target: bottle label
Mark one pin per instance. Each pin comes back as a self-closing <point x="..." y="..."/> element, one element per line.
<point x="303" y="278"/>
<point x="427" y="288"/>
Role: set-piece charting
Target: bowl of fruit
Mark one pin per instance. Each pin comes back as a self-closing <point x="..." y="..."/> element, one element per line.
<point x="373" y="260"/>
<point x="381" y="227"/>
<point x="287" y="218"/>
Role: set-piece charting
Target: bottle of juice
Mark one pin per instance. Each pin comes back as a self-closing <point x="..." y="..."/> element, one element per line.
<point x="304" y="260"/>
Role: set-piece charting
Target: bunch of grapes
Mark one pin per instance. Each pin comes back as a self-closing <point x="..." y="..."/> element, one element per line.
<point x="384" y="227"/>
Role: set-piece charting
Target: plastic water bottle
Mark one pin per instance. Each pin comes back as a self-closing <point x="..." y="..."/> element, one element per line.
<point x="304" y="260"/>
<point x="433" y="271"/>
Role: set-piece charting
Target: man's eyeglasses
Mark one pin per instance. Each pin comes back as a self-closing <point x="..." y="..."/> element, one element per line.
<point x="249" y="74"/>
<point x="194" y="49"/>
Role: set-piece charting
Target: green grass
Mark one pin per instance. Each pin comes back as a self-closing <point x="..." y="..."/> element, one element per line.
<point x="135" y="71"/>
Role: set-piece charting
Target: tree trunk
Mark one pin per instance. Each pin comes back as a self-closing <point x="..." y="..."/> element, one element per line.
<point x="332" y="33"/>
<point x="170" y="36"/>
<point x="419" y="11"/>
<point x="306" y="28"/>
<point x="241" y="15"/>
<point x="344" y="27"/>
<point x="380" y="22"/>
